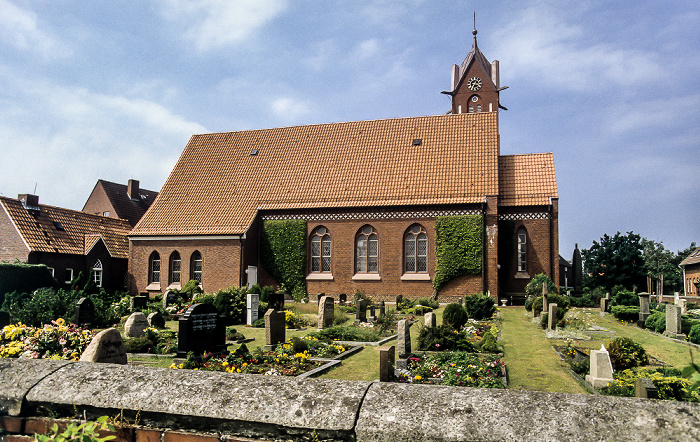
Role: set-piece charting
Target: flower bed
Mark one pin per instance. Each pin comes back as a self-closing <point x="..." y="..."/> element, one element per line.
<point x="458" y="368"/>
<point x="54" y="341"/>
<point x="668" y="382"/>
<point x="472" y="337"/>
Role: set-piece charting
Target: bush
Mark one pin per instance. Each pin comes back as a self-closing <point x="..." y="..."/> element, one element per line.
<point x="624" y="297"/>
<point x="347" y="333"/>
<point x="626" y="353"/>
<point x="488" y="344"/>
<point x="479" y="306"/>
<point x="138" y="345"/>
<point x="534" y="287"/>
<point x="432" y="303"/>
<point x="231" y="304"/>
<point x="694" y="335"/>
<point x="454" y="315"/>
<point x="259" y="323"/>
<point x="562" y="302"/>
<point x="443" y="338"/>
<point x="528" y="303"/>
<point x="668" y="383"/>
<point x="582" y="301"/>
<point x="625" y="313"/>
<point x="687" y="323"/>
<point x="233" y="335"/>
<point x="418" y="310"/>
<point x="656" y="322"/>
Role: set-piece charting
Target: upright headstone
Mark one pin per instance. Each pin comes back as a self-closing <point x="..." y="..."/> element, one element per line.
<point x="399" y="300"/>
<point x="430" y="320"/>
<point x="673" y="322"/>
<point x="276" y="301"/>
<point x="170" y="297"/>
<point x="138" y="302"/>
<point x="644" y="312"/>
<point x="372" y="313"/>
<point x="604" y="302"/>
<point x="461" y="300"/>
<point x="201" y="329"/>
<point x="386" y="363"/>
<point x="360" y="310"/>
<point x="545" y="304"/>
<point x="677" y="298"/>
<point x="404" y="338"/>
<point x="645" y="388"/>
<point x="683" y="306"/>
<point x="326" y="307"/>
<point x="135" y="325"/>
<point x="601" y="368"/>
<point x="4" y="319"/>
<point x="577" y="271"/>
<point x="84" y="313"/>
<point x="342" y="298"/>
<point x="382" y="309"/>
<point x="107" y="346"/>
<point x="156" y="320"/>
<point x="552" y="317"/>
<point x="252" y="304"/>
<point x="274" y="329"/>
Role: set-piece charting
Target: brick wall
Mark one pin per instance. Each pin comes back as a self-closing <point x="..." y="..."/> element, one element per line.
<point x="692" y="275"/>
<point x="221" y="262"/>
<point x="11" y="245"/>
<point x="98" y="203"/>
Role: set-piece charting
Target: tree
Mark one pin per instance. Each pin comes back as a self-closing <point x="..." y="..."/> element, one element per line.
<point x="615" y="260"/>
<point x="660" y="261"/>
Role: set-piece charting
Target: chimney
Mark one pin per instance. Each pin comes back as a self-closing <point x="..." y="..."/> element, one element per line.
<point x="29" y="200"/>
<point x="133" y="190"/>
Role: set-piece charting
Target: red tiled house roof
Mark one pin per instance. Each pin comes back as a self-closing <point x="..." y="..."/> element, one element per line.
<point x="693" y="258"/>
<point x="221" y="180"/>
<point x="57" y="230"/>
<point x="526" y="180"/>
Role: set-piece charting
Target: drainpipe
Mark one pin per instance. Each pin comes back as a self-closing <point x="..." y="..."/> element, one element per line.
<point x="484" y="246"/>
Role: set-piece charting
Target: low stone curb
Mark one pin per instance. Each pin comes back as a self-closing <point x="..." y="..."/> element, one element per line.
<point x="329" y="363"/>
<point x="365" y="344"/>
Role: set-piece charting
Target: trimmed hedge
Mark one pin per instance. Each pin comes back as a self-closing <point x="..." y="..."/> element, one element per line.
<point x="479" y="306"/>
<point x="283" y="254"/>
<point x="625" y="312"/>
<point x="24" y="278"/>
<point x="458" y="247"/>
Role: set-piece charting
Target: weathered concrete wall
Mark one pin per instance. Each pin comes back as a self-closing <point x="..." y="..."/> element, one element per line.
<point x="263" y="407"/>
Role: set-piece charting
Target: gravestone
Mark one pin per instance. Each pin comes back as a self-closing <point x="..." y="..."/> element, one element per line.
<point x="135" y="325"/>
<point x="382" y="309"/>
<point x="342" y="298"/>
<point x="552" y="317"/>
<point x="545" y="304"/>
<point x="360" y="311"/>
<point x="106" y="347"/>
<point x="170" y="297"/>
<point x="326" y="307"/>
<point x="84" y="313"/>
<point x="676" y="298"/>
<point x="461" y="300"/>
<point x="201" y="329"/>
<point x="138" y="302"/>
<point x="4" y="319"/>
<point x="372" y="316"/>
<point x="430" y="320"/>
<point x="404" y="338"/>
<point x="156" y="320"/>
<point x="387" y="355"/>
<point x="601" y="368"/>
<point x="644" y="312"/>
<point x="604" y="302"/>
<point x="673" y="322"/>
<point x="399" y="300"/>
<point x="274" y="329"/>
<point x="683" y="306"/>
<point x="645" y="388"/>
<point x="252" y="305"/>
<point x="276" y="301"/>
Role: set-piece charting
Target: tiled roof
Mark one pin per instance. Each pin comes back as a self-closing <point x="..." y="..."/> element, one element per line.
<point x="526" y="180"/>
<point x="58" y="230"/>
<point x="218" y="184"/>
<point x="693" y="258"/>
<point x="125" y="207"/>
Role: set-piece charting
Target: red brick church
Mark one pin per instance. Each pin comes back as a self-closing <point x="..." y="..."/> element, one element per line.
<point x="408" y="206"/>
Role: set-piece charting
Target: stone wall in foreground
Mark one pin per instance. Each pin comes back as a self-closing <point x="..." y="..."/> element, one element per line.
<point x="169" y="405"/>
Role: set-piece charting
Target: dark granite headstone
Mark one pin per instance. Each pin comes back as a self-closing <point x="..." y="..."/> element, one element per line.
<point x="360" y="310"/>
<point x="342" y="298"/>
<point x="138" y="302"/>
<point x="4" y="319"/>
<point x="156" y="320"/>
<point x="201" y="329"/>
<point x="372" y="313"/>
<point x="276" y="301"/>
<point x="274" y="329"/>
<point x="170" y="297"/>
<point x="382" y="309"/>
<point x="84" y="313"/>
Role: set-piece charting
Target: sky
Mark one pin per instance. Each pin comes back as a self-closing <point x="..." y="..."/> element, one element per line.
<point x="114" y="90"/>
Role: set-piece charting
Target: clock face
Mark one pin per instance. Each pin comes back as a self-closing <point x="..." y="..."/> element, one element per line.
<point x="474" y="84"/>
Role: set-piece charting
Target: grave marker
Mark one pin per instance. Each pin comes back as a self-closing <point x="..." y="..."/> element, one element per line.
<point x="382" y="309"/>
<point x="201" y="329"/>
<point x="106" y="347"/>
<point x="156" y="320"/>
<point x="342" y="298"/>
<point x="404" y="338"/>
<point x="552" y="317"/>
<point x="84" y="313"/>
<point x="601" y="368"/>
<point x="645" y="388"/>
<point x="274" y="329"/>
<point x="430" y="320"/>
<point x="387" y="355"/>
<point x="644" y="312"/>
<point x="135" y="325"/>
<point x="545" y="304"/>
<point x="372" y="310"/>
<point x="170" y="297"/>
<point x="252" y="305"/>
<point x="326" y="308"/>
<point x="399" y="300"/>
<point x="138" y="302"/>
<point x="360" y="311"/>
<point x="673" y="322"/>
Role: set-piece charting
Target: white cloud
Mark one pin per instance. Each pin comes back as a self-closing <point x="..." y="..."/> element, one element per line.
<point x="546" y="45"/>
<point x="659" y="114"/>
<point x="290" y="110"/>
<point x="217" y="23"/>
<point x="20" y="28"/>
<point x="366" y="49"/>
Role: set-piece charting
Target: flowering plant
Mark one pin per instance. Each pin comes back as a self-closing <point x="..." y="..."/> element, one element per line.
<point x="457" y="369"/>
<point x="57" y="340"/>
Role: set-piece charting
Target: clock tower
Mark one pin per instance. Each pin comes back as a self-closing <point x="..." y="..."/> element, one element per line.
<point x="475" y="84"/>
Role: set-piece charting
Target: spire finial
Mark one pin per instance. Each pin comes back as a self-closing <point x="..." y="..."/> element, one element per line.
<point x="474" y="31"/>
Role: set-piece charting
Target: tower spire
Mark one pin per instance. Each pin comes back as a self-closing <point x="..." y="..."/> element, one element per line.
<point x="474" y="30"/>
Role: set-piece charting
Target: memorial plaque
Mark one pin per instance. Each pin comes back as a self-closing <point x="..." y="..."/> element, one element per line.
<point x="201" y="329"/>
<point x="252" y="304"/>
<point x="84" y="313"/>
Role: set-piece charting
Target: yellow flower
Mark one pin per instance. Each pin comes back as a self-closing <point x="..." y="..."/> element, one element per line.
<point x="418" y="378"/>
<point x="60" y="322"/>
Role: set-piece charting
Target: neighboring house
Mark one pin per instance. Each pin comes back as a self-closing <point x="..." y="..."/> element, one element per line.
<point x="373" y="195"/>
<point x="691" y="273"/>
<point x="565" y="274"/>
<point x="115" y="200"/>
<point x="67" y="241"/>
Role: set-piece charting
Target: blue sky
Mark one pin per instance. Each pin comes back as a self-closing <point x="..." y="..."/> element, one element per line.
<point x="113" y="90"/>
